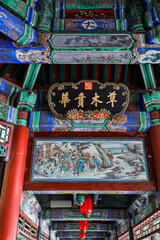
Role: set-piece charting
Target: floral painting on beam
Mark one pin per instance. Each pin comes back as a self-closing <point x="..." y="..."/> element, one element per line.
<point x="89" y="160"/>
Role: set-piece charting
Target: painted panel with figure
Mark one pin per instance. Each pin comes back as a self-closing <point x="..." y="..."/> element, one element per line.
<point x="89" y="160"/>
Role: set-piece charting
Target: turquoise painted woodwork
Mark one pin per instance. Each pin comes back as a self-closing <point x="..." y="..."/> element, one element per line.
<point x="152" y="100"/>
<point x="3" y="151"/>
<point x="148" y="76"/>
<point x="16" y="29"/>
<point x="26" y="101"/>
<point x="33" y="3"/>
<point x="45" y="15"/>
<point x="31" y="76"/>
<point x="153" y="35"/>
<point x="8" y="114"/>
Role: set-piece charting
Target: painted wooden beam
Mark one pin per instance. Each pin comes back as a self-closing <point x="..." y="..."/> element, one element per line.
<point x="78" y="239"/>
<point x="75" y="214"/>
<point x="22" y="10"/>
<point x="8" y="114"/>
<point x="8" y="92"/>
<point x="16" y="29"/>
<point x="114" y="73"/>
<point x="89" y="24"/>
<point x="125" y="71"/>
<point x="56" y="48"/>
<point x="76" y="235"/>
<point x="33" y="3"/>
<point x="45" y="121"/>
<point x="91" y="227"/>
<point x="5" y="69"/>
<point x="148" y="76"/>
<point x="13" y="53"/>
<point x="31" y="76"/>
<point x="45" y="15"/>
<point x="18" y="71"/>
<point x="51" y="74"/>
<point x="134" y="75"/>
<point x="83" y="71"/>
<point x="104" y="73"/>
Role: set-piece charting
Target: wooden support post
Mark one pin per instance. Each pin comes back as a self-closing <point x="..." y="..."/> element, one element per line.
<point x="130" y="226"/>
<point x="12" y="185"/>
<point x="31" y="76"/>
<point x="152" y="103"/>
<point x="155" y="136"/>
<point x="50" y="232"/>
<point x="40" y="225"/>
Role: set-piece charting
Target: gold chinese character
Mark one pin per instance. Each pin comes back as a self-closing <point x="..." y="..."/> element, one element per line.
<point x="112" y="98"/>
<point x="65" y="99"/>
<point x="80" y="99"/>
<point x="95" y="100"/>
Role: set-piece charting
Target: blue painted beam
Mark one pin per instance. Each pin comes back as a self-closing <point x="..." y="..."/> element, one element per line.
<point x="13" y="53"/>
<point x="91" y="227"/>
<point x="16" y="29"/>
<point x="89" y="235"/>
<point x="132" y="121"/>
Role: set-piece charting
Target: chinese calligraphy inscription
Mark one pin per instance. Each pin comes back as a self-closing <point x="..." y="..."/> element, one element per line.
<point x="67" y="98"/>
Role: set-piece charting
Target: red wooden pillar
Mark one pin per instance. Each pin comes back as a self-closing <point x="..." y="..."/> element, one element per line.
<point x="155" y="138"/>
<point x="13" y="184"/>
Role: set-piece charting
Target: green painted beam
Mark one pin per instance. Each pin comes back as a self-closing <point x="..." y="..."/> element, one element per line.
<point x="104" y="73"/>
<point x="125" y="70"/>
<point x="93" y="71"/>
<point x="83" y="72"/>
<point x="31" y="76"/>
<point x="42" y="75"/>
<point x="62" y="73"/>
<point x="134" y="75"/>
<point x="51" y="74"/>
<point x="16" y="71"/>
<point x="73" y="73"/>
<point x="148" y="76"/>
<point x="5" y="69"/>
<point x="114" y="73"/>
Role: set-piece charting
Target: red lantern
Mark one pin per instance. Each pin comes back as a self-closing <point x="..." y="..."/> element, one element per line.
<point x="82" y="235"/>
<point x="83" y="225"/>
<point x="86" y="208"/>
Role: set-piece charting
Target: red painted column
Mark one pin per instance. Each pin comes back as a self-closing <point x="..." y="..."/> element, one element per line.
<point x="155" y="138"/>
<point x="13" y="184"/>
